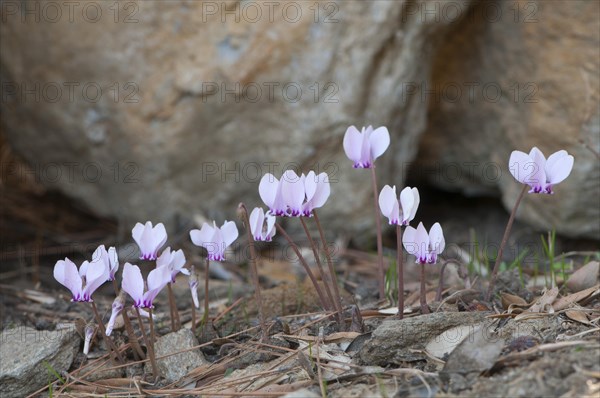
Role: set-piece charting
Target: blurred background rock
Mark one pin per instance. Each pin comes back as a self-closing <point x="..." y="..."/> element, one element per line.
<point x="118" y="112"/>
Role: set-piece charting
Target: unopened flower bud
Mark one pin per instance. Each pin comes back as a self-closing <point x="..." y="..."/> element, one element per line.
<point x="117" y="307"/>
<point x="89" y="333"/>
<point x="194" y="287"/>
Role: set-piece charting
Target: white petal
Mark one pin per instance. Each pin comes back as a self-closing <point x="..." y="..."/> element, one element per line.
<point x="230" y="233"/>
<point x="353" y="144"/>
<point x="165" y="258"/>
<point x="387" y="198"/>
<point x="267" y="189"/>
<point x="417" y="201"/>
<point x="256" y="221"/>
<point x="409" y="242"/>
<point x="203" y="236"/>
<point x="379" y="142"/>
<point x="558" y="166"/>
<point x="133" y="283"/>
<point x="65" y="273"/>
<point x="159" y="237"/>
<point x="407" y="201"/>
<point x="436" y="238"/>
<point x="520" y="166"/>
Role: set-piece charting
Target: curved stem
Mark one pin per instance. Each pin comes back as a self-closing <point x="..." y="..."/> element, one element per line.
<point x="400" y="271"/>
<point x="381" y="271"/>
<point x="137" y="350"/>
<point x="504" y="240"/>
<point x="171" y="307"/>
<point x="304" y="264"/>
<point x="205" y="316"/>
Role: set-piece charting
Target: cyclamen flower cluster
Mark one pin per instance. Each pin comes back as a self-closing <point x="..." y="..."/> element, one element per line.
<point x="91" y="275"/>
<point x="424" y="246"/>
<point x="294" y="195"/>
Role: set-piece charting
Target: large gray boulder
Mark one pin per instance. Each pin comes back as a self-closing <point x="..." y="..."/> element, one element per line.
<point x="163" y="109"/>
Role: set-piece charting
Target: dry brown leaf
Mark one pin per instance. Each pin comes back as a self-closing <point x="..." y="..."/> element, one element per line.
<point x="578" y="316"/>
<point x="565" y="302"/>
<point x="511" y="299"/>
<point x="585" y="277"/>
<point x="542" y="303"/>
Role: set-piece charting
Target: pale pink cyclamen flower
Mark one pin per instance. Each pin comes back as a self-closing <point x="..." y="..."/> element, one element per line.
<point x="91" y="275"/>
<point x="294" y="195"/>
<point x="262" y="226"/>
<point x="363" y="147"/>
<point x="539" y="173"/>
<point x="399" y="212"/>
<point x="109" y="258"/>
<point x="422" y="245"/>
<point x="317" y="190"/>
<point x="175" y="260"/>
<point x="149" y="239"/>
<point x="214" y="239"/>
<point x="133" y="284"/>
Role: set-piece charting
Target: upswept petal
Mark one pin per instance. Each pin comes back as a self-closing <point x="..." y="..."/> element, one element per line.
<point x="407" y="202"/>
<point x="65" y="273"/>
<point x="292" y="190"/>
<point x="379" y="141"/>
<point x="97" y="273"/>
<point x="436" y="241"/>
<point x="137" y="231"/>
<point x="520" y="166"/>
<point x="417" y="201"/>
<point x="83" y="269"/>
<point x="159" y="237"/>
<point x="422" y="240"/>
<point x="310" y="185"/>
<point x="537" y="172"/>
<point x="388" y="203"/>
<point x="230" y="233"/>
<point x="157" y="280"/>
<point x="323" y="191"/>
<point x="133" y="283"/>
<point x="409" y="241"/>
<point x="353" y="141"/>
<point x="558" y="167"/>
<point x="256" y="222"/>
<point x="203" y="236"/>
<point x="267" y="189"/>
<point x="177" y="263"/>
<point x="113" y="259"/>
<point x="165" y="258"/>
<point x="269" y="232"/>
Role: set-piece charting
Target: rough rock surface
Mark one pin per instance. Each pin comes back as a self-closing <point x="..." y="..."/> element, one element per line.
<point x="174" y="367"/>
<point x="394" y="341"/>
<point x="25" y="354"/>
<point x="162" y="110"/>
<point x="512" y="76"/>
<point x="205" y="105"/>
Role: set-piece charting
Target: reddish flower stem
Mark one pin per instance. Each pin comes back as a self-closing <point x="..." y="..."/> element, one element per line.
<point x="504" y="240"/>
<point x="380" y="270"/>
<point x="324" y="275"/>
<point x="423" y="299"/>
<point x="109" y="342"/>
<point x="400" y="271"/>
<point x="148" y="345"/>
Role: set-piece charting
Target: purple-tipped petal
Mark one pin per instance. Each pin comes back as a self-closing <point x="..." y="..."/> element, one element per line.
<point x="65" y="273"/>
<point x="379" y="141"/>
<point x="292" y="190"/>
<point x="422" y="240"/>
<point x="133" y="283"/>
<point x="97" y="273"/>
